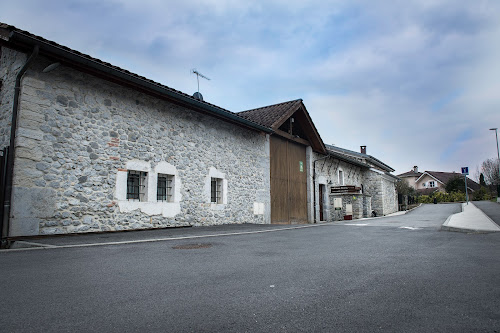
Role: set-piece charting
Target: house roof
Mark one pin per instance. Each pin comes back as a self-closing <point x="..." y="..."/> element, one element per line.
<point x="347" y="159"/>
<point x="427" y="191"/>
<point x="273" y="116"/>
<point x="370" y="159"/>
<point x="445" y="177"/>
<point x="410" y="174"/>
<point x="26" y="41"/>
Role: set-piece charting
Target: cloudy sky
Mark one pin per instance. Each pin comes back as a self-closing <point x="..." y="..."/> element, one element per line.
<point x="417" y="81"/>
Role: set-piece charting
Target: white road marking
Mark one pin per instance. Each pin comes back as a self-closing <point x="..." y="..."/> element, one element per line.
<point x="410" y="228"/>
<point x="357" y="224"/>
<point x="46" y="247"/>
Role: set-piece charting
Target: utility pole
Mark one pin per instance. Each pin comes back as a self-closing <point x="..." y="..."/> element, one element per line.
<point x="498" y="161"/>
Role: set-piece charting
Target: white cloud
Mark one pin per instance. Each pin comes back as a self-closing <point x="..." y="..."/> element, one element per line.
<point x="370" y="73"/>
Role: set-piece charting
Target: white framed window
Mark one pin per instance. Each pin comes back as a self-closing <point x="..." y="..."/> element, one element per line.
<point x="432" y="184"/>
<point x="341" y="177"/>
<point x="164" y="188"/>
<point x="216" y="190"/>
<point x="137" y="185"/>
<point x="153" y="191"/>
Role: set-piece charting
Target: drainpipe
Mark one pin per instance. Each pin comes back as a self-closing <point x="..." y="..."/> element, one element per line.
<point x="10" y="157"/>
<point x="314" y="184"/>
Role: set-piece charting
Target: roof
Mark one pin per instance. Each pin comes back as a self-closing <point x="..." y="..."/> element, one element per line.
<point x="272" y="116"/>
<point x="445" y="177"/>
<point x="366" y="157"/>
<point x="26" y="41"/>
<point x="347" y="159"/>
<point x="427" y="191"/>
<point x="410" y="174"/>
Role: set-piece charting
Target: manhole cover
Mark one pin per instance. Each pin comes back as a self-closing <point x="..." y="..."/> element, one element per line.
<point x="192" y="246"/>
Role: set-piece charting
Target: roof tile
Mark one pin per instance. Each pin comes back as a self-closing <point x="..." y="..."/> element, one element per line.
<point x="272" y="115"/>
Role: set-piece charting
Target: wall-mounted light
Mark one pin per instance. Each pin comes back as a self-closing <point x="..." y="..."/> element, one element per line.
<point x="51" y="67"/>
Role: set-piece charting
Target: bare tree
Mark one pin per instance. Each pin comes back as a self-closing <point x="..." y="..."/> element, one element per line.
<point x="489" y="169"/>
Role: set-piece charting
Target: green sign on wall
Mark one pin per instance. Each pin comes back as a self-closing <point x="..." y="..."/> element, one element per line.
<point x="301" y="166"/>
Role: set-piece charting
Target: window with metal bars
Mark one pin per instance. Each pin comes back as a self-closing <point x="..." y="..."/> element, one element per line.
<point x="216" y="190"/>
<point x="165" y="188"/>
<point x="136" y="185"/>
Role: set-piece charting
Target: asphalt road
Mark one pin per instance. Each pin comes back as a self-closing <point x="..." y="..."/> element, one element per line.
<point x="381" y="276"/>
<point x="492" y="209"/>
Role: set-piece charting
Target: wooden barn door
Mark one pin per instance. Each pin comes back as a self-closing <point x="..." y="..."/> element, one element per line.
<point x="288" y="182"/>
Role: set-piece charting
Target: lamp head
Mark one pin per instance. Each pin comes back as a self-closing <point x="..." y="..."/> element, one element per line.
<point x="493" y="129"/>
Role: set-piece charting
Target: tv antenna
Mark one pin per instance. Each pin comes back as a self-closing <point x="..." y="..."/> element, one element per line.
<point x="198" y="75"/>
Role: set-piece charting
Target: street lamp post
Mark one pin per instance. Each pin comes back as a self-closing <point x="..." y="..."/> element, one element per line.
<point x="498" y="154"/>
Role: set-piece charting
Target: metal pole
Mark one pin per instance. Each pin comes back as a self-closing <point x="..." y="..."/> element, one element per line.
<point x="466" y="192"/>
<point x="498" y="153"/>
<point x="498" y="161"/>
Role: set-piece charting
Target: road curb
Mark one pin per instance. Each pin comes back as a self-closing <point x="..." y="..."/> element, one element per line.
<point x="466" y="231"/>
<point x="445" y="227"/>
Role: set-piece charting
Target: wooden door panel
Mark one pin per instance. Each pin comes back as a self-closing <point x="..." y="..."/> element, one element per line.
<point x="288" y="182"/>
<point x="279" y="202"/>
<point x="297" y="183"/>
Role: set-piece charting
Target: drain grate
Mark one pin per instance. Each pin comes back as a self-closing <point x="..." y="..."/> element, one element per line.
<point x="192" y="246"/>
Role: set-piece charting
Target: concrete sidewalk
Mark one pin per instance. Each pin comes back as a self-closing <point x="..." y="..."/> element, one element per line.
<point x="471" y="219"/>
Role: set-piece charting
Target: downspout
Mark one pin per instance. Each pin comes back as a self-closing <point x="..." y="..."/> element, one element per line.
<point x="314" y="184"/>
<point x="11" y="154"/>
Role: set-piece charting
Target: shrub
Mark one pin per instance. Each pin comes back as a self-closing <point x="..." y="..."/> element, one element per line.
<point x="482" y="194"/>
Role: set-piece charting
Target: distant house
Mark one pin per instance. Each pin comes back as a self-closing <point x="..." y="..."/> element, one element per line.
<point x="432" y="181"/>
<point x="438" y="180"/>
<point x="411" y="176"/>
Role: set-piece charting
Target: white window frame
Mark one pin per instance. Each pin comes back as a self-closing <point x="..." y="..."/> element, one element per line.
<point x="432" y="184"/>
<point x="165" y="188"/>
<point x="139" y="180"/>
<point x="222" y="200"/>
<point x="149" y="203"/>
<point x="216" y="190"/>
<point x="341" y="176"/>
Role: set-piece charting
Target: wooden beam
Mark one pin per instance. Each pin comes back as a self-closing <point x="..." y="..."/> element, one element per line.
<point x="292" y="138"/>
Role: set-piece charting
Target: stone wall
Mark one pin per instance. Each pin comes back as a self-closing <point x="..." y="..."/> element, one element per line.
<point x="373" y="187"/>
<point x="360" y="204"/>
<point x="383" y="192"/>
<point x="326" y="173"/>
<point x="390" y="196"/>
<point x="77" y="135"/>
<point x="10" y="64"/>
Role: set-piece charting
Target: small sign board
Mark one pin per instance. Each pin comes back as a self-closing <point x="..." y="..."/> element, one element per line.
<point x="465" y="171"/>
<point x="344" y="189"/>
<point x="337" y="203"/>
<point x="301" y="166"/>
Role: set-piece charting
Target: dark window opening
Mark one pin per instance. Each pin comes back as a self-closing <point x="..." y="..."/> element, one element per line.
<point x="164" y="188"/>
<point x="136" y="185"/>
<point x="216" y="190"/>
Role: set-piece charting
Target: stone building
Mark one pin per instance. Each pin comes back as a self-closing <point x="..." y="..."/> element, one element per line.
<point x="91" y="147"/>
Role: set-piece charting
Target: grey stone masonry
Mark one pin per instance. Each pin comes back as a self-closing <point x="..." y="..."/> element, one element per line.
<point x="382" y="189"/>
<point x="360" y="206"/>
<point x="77" y="134"/>
<point x="327" y="174"/>
<point x="10" y="64"/>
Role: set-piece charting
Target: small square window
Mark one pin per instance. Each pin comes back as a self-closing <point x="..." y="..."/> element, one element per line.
<point x="216" y="190"/>
<point x="136" y="185"/>
<point x="165" y="188"/>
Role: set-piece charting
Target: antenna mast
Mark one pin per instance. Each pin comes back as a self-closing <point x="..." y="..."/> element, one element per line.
<point x="198" y="74"/>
